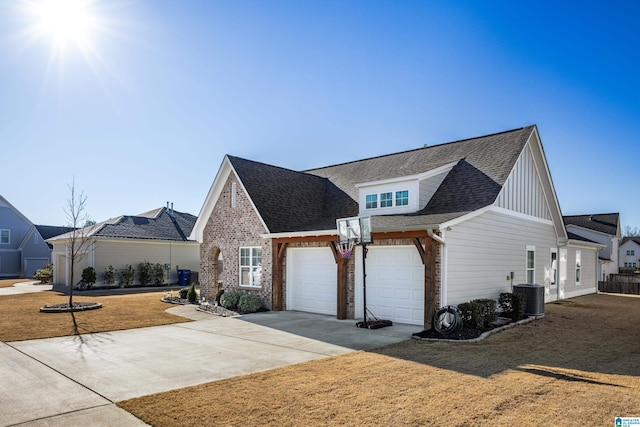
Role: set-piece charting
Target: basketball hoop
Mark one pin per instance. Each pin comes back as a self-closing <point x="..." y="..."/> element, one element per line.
<point x="346" y="248"/>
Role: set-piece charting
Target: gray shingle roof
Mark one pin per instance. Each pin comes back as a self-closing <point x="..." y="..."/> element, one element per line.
<point x="49" y="231"/>
<point x="604" y="223"/>
<point x="158" y="224"/>
<point x="315" y="198"/>
<point x="292" y="201"/>
<point x="162" y="226"/>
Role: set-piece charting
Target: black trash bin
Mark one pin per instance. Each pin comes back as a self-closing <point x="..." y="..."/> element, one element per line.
<point x="183" y="277"/>
<point x="535" y="298"/>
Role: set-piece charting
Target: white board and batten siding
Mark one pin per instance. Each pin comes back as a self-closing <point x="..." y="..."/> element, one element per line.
<point x="523" y="192"/>
<point x="482" y="251"/>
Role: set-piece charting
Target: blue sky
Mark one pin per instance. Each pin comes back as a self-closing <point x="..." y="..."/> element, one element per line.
<point x="146" y="114"/>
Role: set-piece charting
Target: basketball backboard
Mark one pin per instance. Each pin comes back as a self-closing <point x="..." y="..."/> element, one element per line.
<point x="357" y="229"/>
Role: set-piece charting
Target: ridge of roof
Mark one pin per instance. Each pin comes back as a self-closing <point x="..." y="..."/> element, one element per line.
<point x="421" y="148"/>
<point x="289" y="200"/>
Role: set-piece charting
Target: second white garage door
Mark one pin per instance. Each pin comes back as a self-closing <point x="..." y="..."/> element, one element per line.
<point x="395" y="284"/>
<point x="311" y="283"/>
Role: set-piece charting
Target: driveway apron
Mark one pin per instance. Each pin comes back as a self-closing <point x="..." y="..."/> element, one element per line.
<point x="72" y="380"/>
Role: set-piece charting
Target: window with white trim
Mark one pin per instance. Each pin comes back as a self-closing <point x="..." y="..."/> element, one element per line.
<point x="578" y="268"/>
<point x="371" y="201"/>
<point x="251" y="266"/>
<point x="5" y="237"/>
<point x="553" y="274"/>
<point x="386" y="200"/>
<point x="402" y="198"/>
<point x="631" y="252"/>
<point x="531" y="264"/>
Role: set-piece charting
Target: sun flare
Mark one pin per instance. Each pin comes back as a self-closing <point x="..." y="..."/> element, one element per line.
<point x="64" y="23"/>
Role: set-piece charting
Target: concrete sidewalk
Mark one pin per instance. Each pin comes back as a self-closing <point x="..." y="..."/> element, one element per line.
<point x="25" y="288"/>
<point x="75" y="380"/>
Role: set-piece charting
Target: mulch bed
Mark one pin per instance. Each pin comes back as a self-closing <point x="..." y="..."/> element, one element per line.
<point x="464" y="334"/>
<point x="218" y="310"/>
<point x="66" y="308"/>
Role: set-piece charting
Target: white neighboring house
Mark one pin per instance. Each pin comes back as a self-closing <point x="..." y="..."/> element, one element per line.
<point x="158" y="236"/>
<point x="450" y="222"/>
<point x="629" y="253"/>
<point x="603" y="229"/>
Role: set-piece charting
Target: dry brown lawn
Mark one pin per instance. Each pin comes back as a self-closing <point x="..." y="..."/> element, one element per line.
<point x="7" y="283"/>
<point x="580" y="365"/>
<point x="21" y="318"/>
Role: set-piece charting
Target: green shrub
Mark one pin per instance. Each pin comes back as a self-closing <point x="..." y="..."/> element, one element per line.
<point x="478" y="313"/>
<point x="126" y="275"/>
<point x="229" y="300"/>
<point x="218" y="295"/>
<point x="145" y="273"/>
<point x="512" y="305"/>
<point x="109" y="275"/>
<point x="249" y="303"/>
<point x="182" y="292"/>
<point x="89" y="276"/>
<point x="192" y="295"/>
<point x="44" y="274"/>
<point x="158" y="274"/>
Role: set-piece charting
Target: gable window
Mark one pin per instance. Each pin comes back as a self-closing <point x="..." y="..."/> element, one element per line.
<point x="233" y="194"/>
<point x="402" y="198"/>
<point x="4" y="237"/>
<point x="578" y="268"/>
<point x="251" y="266"/>
<point x="386" y="200"/>
<point x="631" y="252"/>
<point x="371" y="201"/>
<point x="531" y="264"/>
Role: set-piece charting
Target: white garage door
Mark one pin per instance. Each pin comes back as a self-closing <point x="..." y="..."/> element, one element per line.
<point x="311" y="280"/>
<point x="395" y="284"/>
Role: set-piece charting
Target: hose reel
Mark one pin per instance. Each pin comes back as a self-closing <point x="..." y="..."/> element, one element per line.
<point x="447" y="321"/>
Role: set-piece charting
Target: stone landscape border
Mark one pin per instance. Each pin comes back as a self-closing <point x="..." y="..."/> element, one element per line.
<point x="484" y="335"/>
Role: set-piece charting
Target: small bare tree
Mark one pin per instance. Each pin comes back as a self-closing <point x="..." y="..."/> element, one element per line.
<point x="630" y="231"/>
<point x="79" y="240"/>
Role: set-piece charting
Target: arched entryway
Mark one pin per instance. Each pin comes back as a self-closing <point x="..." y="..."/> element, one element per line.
<point x="214" y="271"/>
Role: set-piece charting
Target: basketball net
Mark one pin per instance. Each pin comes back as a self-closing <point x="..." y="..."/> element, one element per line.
<point x="346" y="248"/>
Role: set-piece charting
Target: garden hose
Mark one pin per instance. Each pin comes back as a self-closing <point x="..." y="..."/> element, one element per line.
<point x="447" y="321"/>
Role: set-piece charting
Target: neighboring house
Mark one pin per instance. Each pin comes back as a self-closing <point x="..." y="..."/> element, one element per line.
<point x="629" y="253"/>
<point x="603" y="229"/>
<point x="451" y="223"/>
<point x="22" y="248"/>
<point x="51" y="231"/>
<point x="158" y="236"/>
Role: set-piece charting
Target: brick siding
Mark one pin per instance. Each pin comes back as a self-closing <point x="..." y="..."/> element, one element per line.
<point x="228" y="229"/>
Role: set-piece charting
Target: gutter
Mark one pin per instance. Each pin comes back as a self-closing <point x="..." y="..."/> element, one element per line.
<point x="435" y="236"/>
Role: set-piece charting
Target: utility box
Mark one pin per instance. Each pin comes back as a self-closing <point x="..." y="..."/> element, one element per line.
<point x="535" y="298"/>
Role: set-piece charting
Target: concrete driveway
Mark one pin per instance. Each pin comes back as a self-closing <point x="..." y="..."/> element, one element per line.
<point x="75" y="380"/>
<point x="25" y="288"/>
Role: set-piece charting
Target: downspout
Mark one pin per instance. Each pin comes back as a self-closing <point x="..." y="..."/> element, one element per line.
<point x="443" y="266"/>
